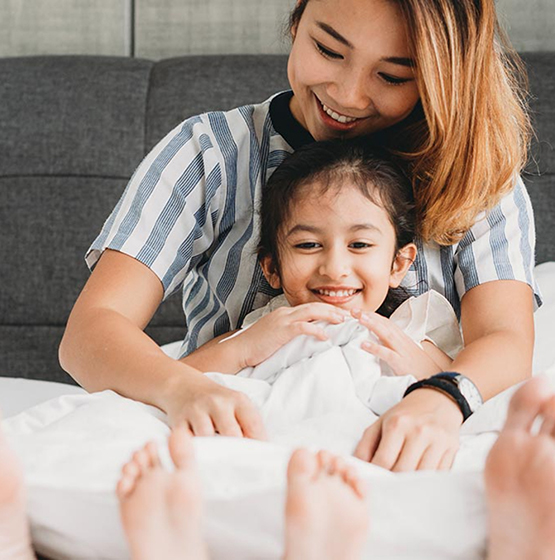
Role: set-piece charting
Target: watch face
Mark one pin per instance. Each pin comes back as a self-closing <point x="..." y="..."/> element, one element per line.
<point x="470" y="393"/>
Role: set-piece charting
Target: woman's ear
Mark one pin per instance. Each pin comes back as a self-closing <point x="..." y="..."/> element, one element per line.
<point x="270" y="271"/>
<point x="401" y="263"/>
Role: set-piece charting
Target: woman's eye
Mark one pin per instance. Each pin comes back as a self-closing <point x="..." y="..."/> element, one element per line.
<point x="327" y="53"/>
<point x="393" y="80"/>
<point x="307" y="245"/>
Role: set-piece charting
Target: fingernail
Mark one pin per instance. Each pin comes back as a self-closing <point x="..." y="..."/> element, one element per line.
<point x="356" y="311"/>
<point x="340" y="318"/>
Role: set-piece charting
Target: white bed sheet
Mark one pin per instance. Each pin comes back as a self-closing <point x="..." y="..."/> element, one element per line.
<point x="415" y="516"/>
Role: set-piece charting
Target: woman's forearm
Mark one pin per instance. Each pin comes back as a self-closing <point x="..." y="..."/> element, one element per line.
<point x="104" y="350"/>
<point x="498" y="329"/>
<point x="495" y="362"/>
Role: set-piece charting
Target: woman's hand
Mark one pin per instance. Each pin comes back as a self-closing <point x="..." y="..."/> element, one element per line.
<point x="397" y="349"/>
<point x="208" y="408"/>
<point x="419" y="433"/>
<point x="271" y="332"/>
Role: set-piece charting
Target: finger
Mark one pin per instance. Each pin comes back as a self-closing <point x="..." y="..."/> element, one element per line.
<point x="201" y="425"/>
<point x="447" y="460"/>
<point x="250" y="421"/>
<point x="381" y="352"/>
<point x="369" y="442"/>
<point x="387" y="331"/>
<point x="180" y="444"/>
<point x="410" y="455"/>
<point x="389" y="449"/>
<point x="309" y="329"/>
<point x="319" y="312"/>
<point x="431" y="458"/>
<point x="225" y="422"/>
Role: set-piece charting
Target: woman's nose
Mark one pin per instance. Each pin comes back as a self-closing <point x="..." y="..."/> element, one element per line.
<point x="354" y="91"/>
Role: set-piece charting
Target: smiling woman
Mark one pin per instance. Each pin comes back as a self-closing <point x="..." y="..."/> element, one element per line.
<point x="350" y="70"/>
<point x="436" y="84"/>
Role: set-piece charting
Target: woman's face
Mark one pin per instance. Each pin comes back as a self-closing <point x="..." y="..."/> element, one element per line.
<point x="350" y="68"/>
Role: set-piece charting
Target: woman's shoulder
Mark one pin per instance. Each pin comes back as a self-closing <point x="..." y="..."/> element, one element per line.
<point x="223" y="133"/>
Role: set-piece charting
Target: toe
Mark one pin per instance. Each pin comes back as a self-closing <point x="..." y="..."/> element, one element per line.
<point x="548" y="414"/>
<point x="527" y="403"/>
<point x="125" y="486"/>
<point x="303" y="466"/>
<point x="326" y="461"/>
<point x="151" y="453"/>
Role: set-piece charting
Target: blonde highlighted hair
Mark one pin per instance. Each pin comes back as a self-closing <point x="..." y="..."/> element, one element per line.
<point x="468" y="139"/>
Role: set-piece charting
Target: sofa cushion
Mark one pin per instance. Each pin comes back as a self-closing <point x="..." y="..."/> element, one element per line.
<point x="187" y="86"/>
<point x="72" y="115"/>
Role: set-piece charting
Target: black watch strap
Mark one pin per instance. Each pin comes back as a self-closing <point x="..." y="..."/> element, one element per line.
<point x="446" y="387"/>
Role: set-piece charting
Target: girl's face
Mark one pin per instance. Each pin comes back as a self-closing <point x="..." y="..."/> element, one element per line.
<point x="350" y="68"/>
<point x="338" y="248"/>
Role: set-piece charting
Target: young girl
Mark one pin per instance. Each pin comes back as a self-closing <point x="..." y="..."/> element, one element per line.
<point x="337" y="226"/>
<point x="435" y="82"/>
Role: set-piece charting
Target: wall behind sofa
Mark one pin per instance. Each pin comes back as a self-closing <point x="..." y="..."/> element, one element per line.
<point x="162" y="28"/>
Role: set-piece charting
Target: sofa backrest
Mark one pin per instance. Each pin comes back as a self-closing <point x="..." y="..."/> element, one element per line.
<point x="73" y="129"/>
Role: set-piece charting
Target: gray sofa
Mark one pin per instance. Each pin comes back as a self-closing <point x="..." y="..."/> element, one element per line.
<point x="72" y="130"/>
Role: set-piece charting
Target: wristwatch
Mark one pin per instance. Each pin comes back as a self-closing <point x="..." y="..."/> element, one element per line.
<point x="457" y="386"/>
<point x="466" y="386"/>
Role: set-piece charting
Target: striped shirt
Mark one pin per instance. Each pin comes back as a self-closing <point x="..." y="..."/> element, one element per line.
<point x="189" y="213"/>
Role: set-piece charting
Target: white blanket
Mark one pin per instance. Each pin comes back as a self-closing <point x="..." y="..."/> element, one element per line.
<point x="73" y="448"/>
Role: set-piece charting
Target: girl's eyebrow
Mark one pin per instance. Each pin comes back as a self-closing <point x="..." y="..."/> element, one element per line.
<point x="313" y="229"/>
<point x="400" y="60"/>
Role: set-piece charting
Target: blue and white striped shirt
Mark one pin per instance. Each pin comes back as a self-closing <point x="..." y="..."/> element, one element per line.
<point x="189" y="213"/>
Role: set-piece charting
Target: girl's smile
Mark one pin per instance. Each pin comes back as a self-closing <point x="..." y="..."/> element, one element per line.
<point x="350" y="69"/>
<point x="338" y="247"/>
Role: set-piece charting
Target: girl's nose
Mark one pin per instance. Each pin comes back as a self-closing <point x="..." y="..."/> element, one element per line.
<point x="334" y="266"/>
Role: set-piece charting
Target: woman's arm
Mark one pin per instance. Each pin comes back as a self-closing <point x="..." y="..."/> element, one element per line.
<point x="421" y="432"/>
<point x="104" y="347"/>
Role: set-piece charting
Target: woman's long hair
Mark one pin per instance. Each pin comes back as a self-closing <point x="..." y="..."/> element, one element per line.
<point x="468" y="137"/>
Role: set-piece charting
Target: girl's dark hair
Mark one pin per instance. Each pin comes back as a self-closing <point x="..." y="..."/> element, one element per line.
<point x="372" y="170"/>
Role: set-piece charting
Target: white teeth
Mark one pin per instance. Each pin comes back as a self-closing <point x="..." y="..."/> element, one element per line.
<point x="337" y="293"/>
<point x="336" y="117"/>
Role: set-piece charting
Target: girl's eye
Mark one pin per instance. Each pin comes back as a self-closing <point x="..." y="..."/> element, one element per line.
<point x="360" y="245"/>
<point x="393" y="80"/>
<point x="327" y="53"/>
<point x="307" y="245"/>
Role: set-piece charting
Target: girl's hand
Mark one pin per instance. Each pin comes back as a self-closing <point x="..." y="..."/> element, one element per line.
<point x="208" y="408"/>
<point x="270" y="333"/>
<point x="419" y="433"/>
<point x="397" y="349"/>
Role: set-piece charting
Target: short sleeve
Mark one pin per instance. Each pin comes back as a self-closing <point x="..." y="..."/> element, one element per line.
<point x="500" y="245"/>
<point x="165" y="217"/>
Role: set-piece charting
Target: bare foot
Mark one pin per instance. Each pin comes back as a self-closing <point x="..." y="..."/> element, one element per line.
<point x="325" y="515"/>
<point x="520" y="478"/>
<point x="161" y="510"/>
<point x="15" y="537"/>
